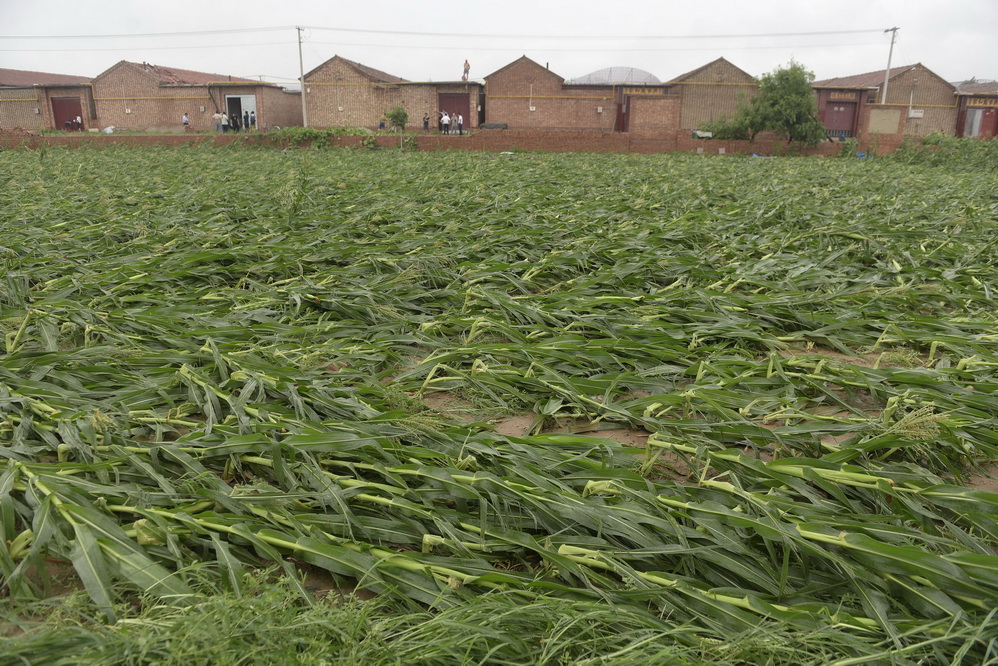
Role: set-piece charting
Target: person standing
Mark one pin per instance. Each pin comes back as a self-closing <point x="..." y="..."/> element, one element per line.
<point x="234" y="122"/>
<point x="467" y="68"/>
<point x="445" y="121"/>
<point x="426" y="122"/>
<point x="217" y="117"/>
<point x="460" y="124"/>
<point x="245" y="121"/>
<point x="253" y="119"/>
<point x="224" y="122"/>
<point x="185" y="120"/>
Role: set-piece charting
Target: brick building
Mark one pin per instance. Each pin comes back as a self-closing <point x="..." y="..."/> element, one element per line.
<point x="143" y="96"/>
<point x="525" y="95"/>
<point x="711" y="92"/>
<point x="344" y="93"/>
<point x="41" y="100"/>
<point x="918" y="103"/>
<point x="977" y="109"/>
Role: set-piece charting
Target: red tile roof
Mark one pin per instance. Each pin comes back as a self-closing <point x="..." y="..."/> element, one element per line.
<point x="172" y="76"/>
<point x="19" y="78"/>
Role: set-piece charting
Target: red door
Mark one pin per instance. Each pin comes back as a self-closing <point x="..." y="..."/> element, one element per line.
<point x="623" y="114"/>
<point x="840" y="118"/>
<point x="454" y="103"/>
<point x="989" y="124"/>
<point x="65" y="110"/>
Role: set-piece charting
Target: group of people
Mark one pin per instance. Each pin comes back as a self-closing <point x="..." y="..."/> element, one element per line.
<point x="74" y="124"/>
<point x="446" y="123"/>
<point x="224" y="123"/>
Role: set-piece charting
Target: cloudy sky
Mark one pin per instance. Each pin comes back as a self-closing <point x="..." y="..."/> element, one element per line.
<point x="430" y="39"/>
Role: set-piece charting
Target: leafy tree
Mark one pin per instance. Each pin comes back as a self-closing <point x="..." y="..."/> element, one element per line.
<point x="397" y="117"/>
<point x="785" y="105"/>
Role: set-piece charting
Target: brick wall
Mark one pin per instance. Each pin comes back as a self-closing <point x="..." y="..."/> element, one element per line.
<point x="276" y="107"/>
<point x="128" y="98"/>
<point x="934" y="96"/>
<point x="713" y="92"/>
<point x="654" y="117"/>
<point x="17" y="108"/>
<point x="338" y="95"/>
<point x="513" y="90"/>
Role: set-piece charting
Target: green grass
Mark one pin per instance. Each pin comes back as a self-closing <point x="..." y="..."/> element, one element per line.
<point x="217" y="360"/>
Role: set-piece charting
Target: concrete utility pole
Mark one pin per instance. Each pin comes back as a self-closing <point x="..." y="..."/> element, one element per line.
<point x="887" y="73"/>
<point x="301" y="79"/>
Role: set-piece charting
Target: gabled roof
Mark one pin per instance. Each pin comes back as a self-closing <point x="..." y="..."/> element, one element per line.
<point x="376" y="75"/>
<point x="173" y="76"/>
<point x="689" y="75"/>
<point x="529" y="61"/>
<point x="20" y="78"/>
<point x="867" y="80"/>
<point x="977" y="88"/>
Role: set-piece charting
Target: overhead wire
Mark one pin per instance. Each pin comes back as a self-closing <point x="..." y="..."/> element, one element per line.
<point x="184" y="33"/>
<point x="597" y="50"/>
<point x="145" y="48"/>
<point x="599" y="37"/>
<point x="769" y="35"/>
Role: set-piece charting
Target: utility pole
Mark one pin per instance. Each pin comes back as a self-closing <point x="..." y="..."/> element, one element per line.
<point x="887" y="72"/>
<point x="301" y="79"/>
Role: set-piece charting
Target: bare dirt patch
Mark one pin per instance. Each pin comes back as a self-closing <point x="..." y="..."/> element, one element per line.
<point x="450" y="405"/>
<point x="517" y="425"/>
<point x="864" y="360"/>
<point x="894" y="357"/>
<point x="986" y="479"/>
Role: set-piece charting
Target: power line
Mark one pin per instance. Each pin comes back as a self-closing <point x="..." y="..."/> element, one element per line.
<point x="143" y="48"/>
<point x="150" y="34"/>
<point x="186" y="33"/>
<point x="591" y="50"/>
<point x="598" y="37"/>
<point x="148" y="48"/>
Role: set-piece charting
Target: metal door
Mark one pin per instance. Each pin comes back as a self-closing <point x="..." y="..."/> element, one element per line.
<point x="623" y="114"/>
<point x="989" y="124"/>
<point x="65" y="110"/>
<point x="454" y="103"/>
<point x="840" y="118"/>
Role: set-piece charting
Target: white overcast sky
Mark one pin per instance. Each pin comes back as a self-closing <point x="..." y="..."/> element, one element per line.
<point x="428" y="40"/>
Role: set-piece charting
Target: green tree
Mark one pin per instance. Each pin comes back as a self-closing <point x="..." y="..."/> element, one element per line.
<point x="785" y="105"/>
<point x="397" y="117"/>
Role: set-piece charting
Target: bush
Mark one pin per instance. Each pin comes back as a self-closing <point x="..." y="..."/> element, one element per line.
<point x="310" y="136"/>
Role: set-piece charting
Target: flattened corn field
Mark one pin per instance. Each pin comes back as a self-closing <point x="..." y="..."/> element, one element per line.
<point x="547" y="408"/>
